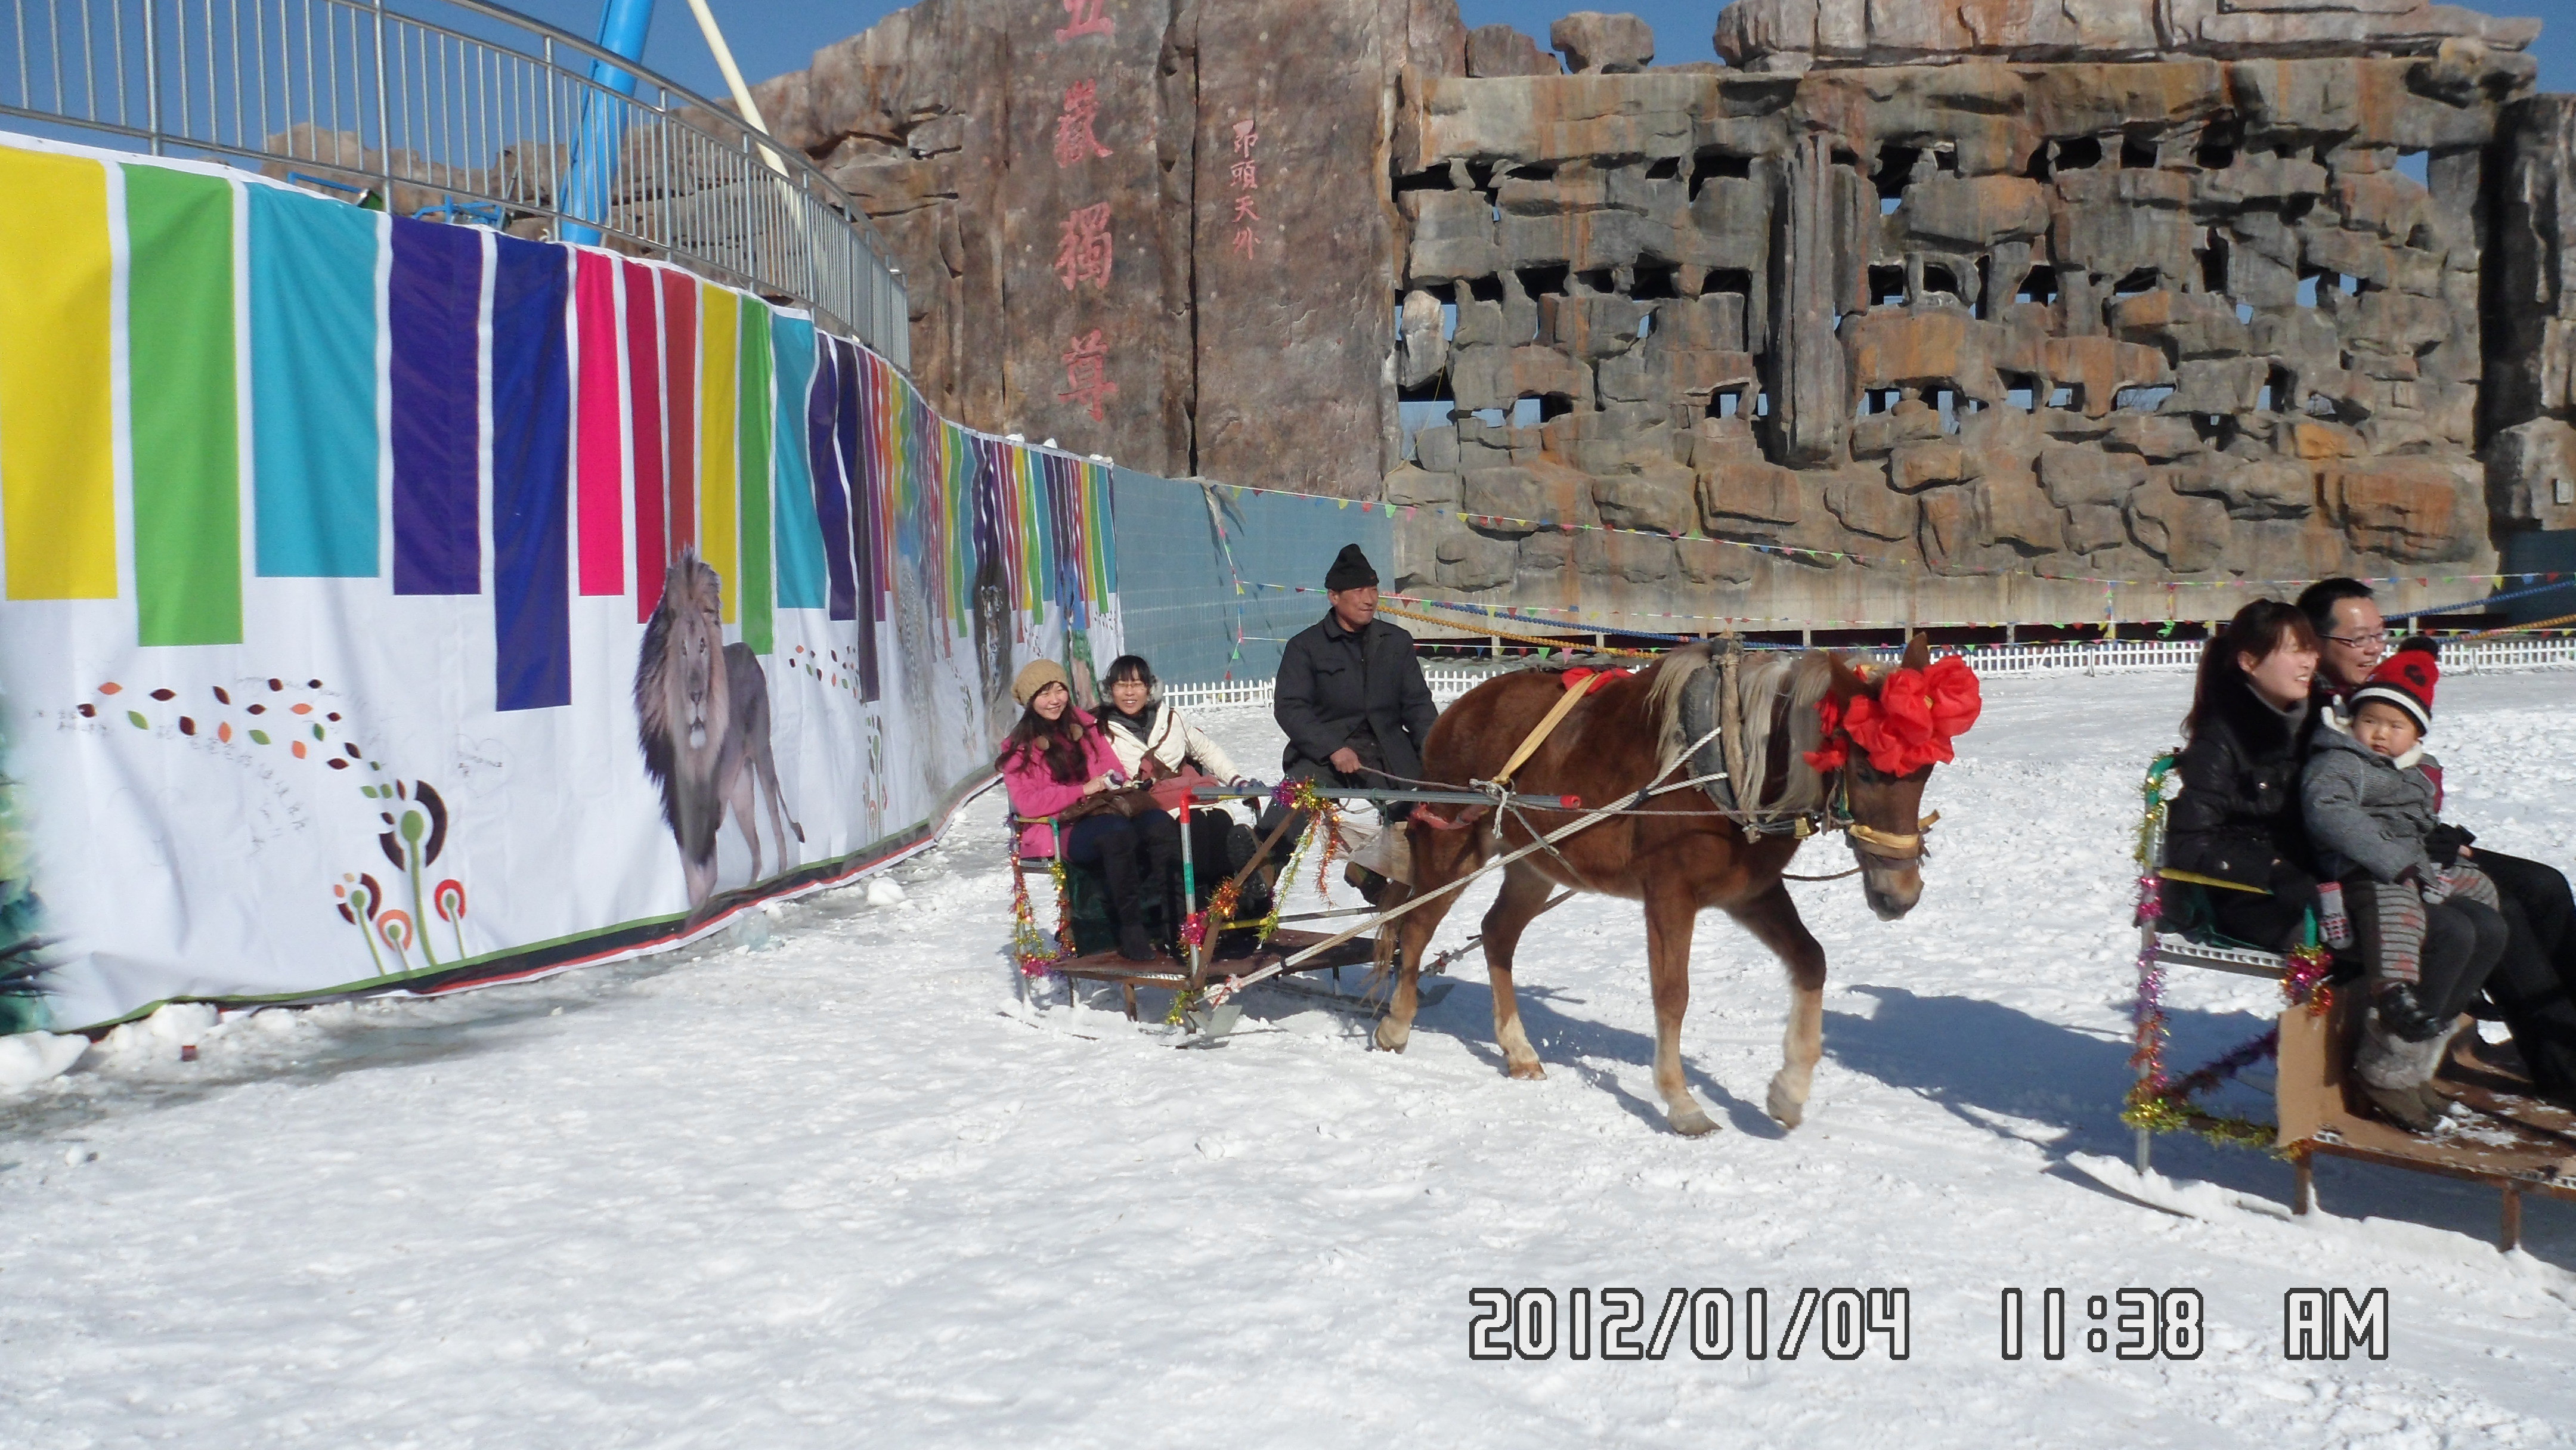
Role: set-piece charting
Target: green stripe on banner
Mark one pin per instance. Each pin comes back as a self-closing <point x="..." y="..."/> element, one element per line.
<point x="187" y="466"/>
<point x="754" y="588"/>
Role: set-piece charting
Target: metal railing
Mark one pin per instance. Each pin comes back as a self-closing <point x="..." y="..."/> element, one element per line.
<point x="2464" y="657"/>
<point x="358" y="99"/>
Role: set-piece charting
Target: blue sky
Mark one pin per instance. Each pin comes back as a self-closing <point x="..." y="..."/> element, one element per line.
<point x="771" y="36"/>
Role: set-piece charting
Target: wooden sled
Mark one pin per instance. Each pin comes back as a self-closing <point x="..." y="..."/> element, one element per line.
<point x="1235" y="955"/>
<point x="2507" y="1138"/>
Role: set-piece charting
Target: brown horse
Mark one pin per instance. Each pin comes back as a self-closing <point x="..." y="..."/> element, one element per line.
<point x="1675" y="852"/>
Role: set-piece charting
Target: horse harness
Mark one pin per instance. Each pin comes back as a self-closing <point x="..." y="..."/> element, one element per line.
<point x="1712" y="711"/>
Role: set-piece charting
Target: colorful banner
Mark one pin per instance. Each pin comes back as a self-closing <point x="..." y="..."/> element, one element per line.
<point x="391" y="604"/>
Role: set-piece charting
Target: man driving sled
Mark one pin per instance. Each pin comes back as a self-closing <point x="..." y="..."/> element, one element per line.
<point x="1351" y="699"/>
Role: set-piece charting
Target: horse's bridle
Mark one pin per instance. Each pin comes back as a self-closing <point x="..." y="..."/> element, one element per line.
<point x="1867" y="840"/>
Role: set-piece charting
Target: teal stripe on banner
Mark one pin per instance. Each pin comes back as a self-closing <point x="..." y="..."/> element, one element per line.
<point x="802" y="583"/>
<point x="313" y="380"/>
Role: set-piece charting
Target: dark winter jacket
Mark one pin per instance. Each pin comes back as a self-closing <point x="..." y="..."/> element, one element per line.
<point x="1362" y="689"/>
<point x="2366" y="812"/>
<point x="2238" y="817"/>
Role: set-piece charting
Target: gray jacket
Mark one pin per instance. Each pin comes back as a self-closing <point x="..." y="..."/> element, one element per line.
<point x="2366" y="812"/>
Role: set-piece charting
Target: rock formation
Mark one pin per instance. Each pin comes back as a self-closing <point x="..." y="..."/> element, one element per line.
<point x="1924" y="299"/>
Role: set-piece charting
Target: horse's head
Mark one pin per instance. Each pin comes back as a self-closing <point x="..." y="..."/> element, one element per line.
<point x="1889" y="743"/>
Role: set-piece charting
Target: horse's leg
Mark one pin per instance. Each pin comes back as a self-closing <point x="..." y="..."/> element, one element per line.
<point x="1671" y="913"/>
<point x="1524" y="892"/>
<point x="1436" y="862"/>
<point x="1772" y="917"/>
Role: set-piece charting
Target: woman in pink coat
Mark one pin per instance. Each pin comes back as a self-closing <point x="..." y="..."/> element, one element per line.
<point x="1055" y="757"/>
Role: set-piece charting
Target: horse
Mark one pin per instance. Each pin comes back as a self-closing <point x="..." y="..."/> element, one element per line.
<point x="1674" y="852"/>
<point x="702" y="721"/>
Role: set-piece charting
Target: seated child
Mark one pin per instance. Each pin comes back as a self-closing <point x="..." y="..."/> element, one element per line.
<point x="2429" y="929"/>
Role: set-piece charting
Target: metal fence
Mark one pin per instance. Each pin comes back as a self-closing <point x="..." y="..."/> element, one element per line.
<point x="520" y="126"/>
<point x="2459" y="657"/>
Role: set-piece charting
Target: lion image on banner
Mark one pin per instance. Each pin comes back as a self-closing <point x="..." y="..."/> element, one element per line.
<point x="702" y="718"/>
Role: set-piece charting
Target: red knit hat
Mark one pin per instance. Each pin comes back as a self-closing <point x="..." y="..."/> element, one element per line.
<point x="2406" y="680"/>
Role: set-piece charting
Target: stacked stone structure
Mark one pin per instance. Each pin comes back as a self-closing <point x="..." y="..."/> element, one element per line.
<point x="1930" y="303"/>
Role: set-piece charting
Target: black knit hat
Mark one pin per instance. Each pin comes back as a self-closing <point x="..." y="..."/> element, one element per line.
<point x="1350" y="570"/>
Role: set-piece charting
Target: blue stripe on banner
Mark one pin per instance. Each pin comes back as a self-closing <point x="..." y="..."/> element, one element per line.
<point x="433" y="304"/>
<point x="531" y="477"/>
<point x="831" y="479"/>
<point x="313" y="386"/>
<point x="802" y="583"/>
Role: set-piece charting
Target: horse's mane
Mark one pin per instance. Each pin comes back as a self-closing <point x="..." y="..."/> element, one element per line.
<point x="1774" y="689"/>
<point x="652" y="665"/>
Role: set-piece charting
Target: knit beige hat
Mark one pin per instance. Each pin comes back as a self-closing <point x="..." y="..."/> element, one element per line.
<point x="1035" y="676"/>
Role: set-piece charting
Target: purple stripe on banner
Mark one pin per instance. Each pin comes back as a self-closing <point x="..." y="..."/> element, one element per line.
<point x="531" y="477"/>
<point x="831" y="479"/>
<point x="433" y="303"/>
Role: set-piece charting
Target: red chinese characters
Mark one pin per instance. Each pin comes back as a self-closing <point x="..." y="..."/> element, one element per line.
<point x="1074" y="141"/>
<point x="1083" y="254"/>
<point x="1086" y="374"/>
<point x="1088" y="17"/>
<point x="1246" y="176"/>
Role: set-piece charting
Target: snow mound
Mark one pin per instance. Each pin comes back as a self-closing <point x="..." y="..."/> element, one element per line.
<point x="28" y="1058"/>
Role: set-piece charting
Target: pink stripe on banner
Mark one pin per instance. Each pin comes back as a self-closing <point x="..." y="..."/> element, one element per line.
<point x="602" y="526"/>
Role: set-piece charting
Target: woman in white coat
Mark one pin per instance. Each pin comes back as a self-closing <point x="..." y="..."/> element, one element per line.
<point x="1140" y="727"/>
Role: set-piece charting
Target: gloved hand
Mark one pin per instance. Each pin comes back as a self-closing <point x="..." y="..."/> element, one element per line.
<point x="2294" y="888"/>
<point x="2445" y="842"/>
<point x="2403" y="1012"/>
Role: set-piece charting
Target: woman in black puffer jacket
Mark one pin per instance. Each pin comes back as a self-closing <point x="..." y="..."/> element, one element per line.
<point x="2238" y="818"/>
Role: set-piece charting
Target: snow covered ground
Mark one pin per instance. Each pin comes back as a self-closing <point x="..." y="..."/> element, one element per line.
<point x="834" y="1191"/>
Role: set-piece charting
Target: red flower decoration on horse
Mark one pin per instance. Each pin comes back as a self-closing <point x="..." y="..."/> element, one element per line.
<point x="1908" y="724"/>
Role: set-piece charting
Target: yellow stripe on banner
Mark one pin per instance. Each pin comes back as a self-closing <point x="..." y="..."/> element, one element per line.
<point x="718" y="525"/>
<point x="57" y="415"/>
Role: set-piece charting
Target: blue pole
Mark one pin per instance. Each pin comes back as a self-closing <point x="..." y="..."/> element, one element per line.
<point x="623" y="25"/>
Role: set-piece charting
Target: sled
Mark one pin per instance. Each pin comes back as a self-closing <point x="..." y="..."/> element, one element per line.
<point x="2507" y="1137"/>
<point x="1222" y="964"/>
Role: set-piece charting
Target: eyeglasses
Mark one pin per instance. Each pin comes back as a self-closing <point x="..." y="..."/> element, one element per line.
<point x="2377" y="641"/>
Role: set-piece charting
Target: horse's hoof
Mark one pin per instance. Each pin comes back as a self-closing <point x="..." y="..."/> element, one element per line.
<point x="1391" y="1038"/>
<point x="1691" y="1120"/>
<point x="1787" y="1111"/>
<point x="1530" y="1071"/>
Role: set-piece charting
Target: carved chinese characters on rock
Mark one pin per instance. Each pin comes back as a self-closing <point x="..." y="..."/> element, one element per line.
<point x="1086" y="374"/>
<point x="1245" y="174"/>
<point x="1074" y="141"/>
<point x="1083" y="254"/>
<point x="1085" y="251"/>
<point x="1086" y="17"/>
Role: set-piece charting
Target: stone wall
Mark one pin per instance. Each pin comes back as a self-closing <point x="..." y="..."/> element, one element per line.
<point x="2138" y="290"/>
<point x="2531" y="406"/>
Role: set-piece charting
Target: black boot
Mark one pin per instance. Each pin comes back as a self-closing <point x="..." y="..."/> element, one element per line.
<point x="1127" y="896"/>
<point x="1160" y="838"/>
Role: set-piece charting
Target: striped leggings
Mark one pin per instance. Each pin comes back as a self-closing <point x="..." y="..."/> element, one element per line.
<point x="2391" y="919"/>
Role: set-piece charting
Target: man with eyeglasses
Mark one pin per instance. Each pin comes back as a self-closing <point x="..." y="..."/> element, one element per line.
<point x="2535" y="984"/>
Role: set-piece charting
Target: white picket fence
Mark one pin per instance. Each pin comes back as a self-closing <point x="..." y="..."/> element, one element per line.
<point x="2465" y="657"/>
